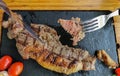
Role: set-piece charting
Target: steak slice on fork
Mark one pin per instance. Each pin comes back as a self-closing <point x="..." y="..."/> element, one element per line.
<point x="74" y="28"/>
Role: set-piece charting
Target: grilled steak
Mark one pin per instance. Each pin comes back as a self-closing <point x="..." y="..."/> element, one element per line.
<point x="52" y="55"/>
<point x="74" y="28"/>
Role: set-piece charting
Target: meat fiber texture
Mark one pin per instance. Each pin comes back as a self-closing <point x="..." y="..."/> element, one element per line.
<point x="74" y="28"/>
<point x="52" y="55"/>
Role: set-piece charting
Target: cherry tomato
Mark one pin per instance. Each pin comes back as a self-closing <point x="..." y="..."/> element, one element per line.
<point x="5" y="62"/>
<point x="15" y="69"/>
<point x="117" y="71"/>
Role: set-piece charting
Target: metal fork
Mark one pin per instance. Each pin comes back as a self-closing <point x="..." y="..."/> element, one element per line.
<point x="98" y="22"/>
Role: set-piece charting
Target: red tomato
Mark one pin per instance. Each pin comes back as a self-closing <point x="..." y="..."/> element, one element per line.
<point x="117" y="71"/>
<point x="15" y="69"/>
<point x="5" y="62"/>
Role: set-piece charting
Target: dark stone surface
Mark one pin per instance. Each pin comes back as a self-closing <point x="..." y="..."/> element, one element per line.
<point x="101" y="39"/>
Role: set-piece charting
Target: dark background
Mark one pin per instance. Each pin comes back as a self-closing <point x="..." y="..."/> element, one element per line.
<point x="101" y="39"/>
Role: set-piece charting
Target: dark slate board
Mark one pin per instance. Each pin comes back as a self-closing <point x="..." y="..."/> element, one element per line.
<point x="101" y="39"/>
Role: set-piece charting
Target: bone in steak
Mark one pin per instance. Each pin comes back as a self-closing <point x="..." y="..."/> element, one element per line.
<point x="53" y="55"/>
<point x="74" y="28"/>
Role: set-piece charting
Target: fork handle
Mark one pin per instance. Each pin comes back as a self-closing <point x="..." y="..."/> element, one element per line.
<point x="115" y="13"/>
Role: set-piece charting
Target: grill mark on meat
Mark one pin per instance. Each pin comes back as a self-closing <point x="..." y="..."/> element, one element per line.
<point x="79" y="56"/>
<point x="64" y="63"/>
<point x="72" y="64"/>
<point x="48" y="58"/>
<point x="18" y="41"/>
<point x="24" y="43"/>
<point x="45" y="54"/>
<point x="69" y="57"/>
<point x="24" y="32"/>
<point x="21" y="39"/>
<point x="51" y="58"/>
<point x="29" y="41"/>
<point x="40" y="53"/>
<point x="61" y="51"/>
<point x="39" y="29"/>
<point x="36" y="29"/>
<point x="58" y="60"/>
<point x="34" y="40"/>
<point x="72" y="56"/>
<point x="33" y="54"/>
<point x="36" y="44"/>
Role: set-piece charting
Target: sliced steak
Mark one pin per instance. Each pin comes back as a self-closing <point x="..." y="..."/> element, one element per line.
<point x="74" y="28"/>
<point x="52" y="55"/>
